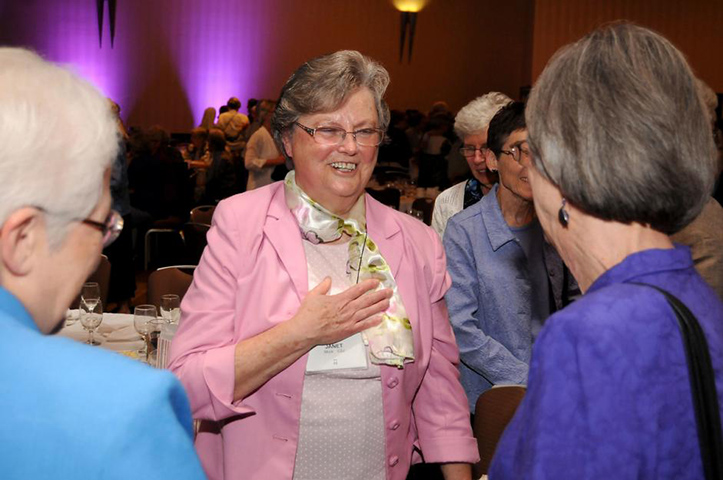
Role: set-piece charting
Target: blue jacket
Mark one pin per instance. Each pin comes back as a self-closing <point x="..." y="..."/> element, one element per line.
<point x="490" y="301"/>
<point x="609" y="393"/>
<point x="73" y="412"/>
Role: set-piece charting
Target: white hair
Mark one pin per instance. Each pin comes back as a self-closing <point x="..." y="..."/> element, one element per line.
<point x="475" y="117"/>
<point x="57" y="138"/>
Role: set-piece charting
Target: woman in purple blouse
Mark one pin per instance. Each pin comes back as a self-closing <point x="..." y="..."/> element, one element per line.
<point x="623" y="156"/>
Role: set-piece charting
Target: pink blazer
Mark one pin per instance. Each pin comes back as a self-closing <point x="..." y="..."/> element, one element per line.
<point x="252" y="276"/>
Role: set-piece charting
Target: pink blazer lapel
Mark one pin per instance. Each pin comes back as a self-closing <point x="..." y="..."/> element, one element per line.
<point x="283" y="233"/>
<point x="385" y="232"/>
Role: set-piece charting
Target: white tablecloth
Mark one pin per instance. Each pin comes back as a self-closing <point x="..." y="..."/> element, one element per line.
<point x="115" y="333"/>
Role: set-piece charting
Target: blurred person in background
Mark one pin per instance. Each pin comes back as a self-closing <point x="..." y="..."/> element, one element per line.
<point x="158" y="176"/>
<point x="209" y="118"/>
<point x="122" y="286"/>
<point x="251" y="109"/>
<point x="233" y="122"/>
<point x="197" y="149"/>
<point x="220" y="175"/>
<point x="704" y="235"/>
<point x="396" y="149"/>
<point x="433" y="149"/>
<point x="261" y="156"/>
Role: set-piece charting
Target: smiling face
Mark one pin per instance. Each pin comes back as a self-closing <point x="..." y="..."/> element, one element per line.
<point x="335" y="175"/>
<point x="514" y="176"/>
<point x="478" y="162"/>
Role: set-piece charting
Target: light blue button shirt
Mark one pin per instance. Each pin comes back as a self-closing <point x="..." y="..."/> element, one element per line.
<point x="490" y="301"/>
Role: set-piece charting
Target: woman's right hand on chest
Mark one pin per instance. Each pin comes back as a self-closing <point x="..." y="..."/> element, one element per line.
<point x="323" y="319"/>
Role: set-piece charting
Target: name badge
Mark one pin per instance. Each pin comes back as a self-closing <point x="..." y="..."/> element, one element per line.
<point x="349" y="353"/>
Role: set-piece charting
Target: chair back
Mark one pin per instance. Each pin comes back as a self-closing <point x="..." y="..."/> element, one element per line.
<point x="194" y="238"/>
<point x="493" y="411"/>
<point x="203" y="214"/>
<point x="426" y="205"/>
<point x="387" y="196"/>
<point x="163" y="246"/>
<point x="175" y="279"/>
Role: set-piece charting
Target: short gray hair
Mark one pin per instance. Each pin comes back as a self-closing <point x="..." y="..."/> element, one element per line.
<point x="708" y="97"/>
<point x="323" y="84"/>
<point x="58" y="136"/>
<point x="615" y="121"/>
<point x="475" y="117"/>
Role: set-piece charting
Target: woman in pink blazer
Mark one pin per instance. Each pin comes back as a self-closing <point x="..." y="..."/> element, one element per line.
<point x="314" y="341"/>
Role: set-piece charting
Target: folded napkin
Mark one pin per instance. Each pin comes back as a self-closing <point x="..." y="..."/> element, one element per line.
<point x="123" y="334"/>
<point x="105" y="330"/>
<point x="117" y="320"/>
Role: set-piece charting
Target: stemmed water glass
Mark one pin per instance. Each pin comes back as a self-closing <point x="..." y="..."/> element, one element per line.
<point x="143" y="316"/>
<point x="90" y="295"/>
<point x="91" y="310"/>
<point x="91" y="319"/>
<point x="171" y="308"/>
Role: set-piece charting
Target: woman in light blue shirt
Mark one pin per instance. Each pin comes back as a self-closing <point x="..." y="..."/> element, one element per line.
<point x="506" y="280"/>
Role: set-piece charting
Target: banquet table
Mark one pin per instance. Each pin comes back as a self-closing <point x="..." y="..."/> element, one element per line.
<point x="115" y="333"/>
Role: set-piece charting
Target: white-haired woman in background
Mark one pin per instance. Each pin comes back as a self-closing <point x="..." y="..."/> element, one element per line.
<point x="623" y="156"/>
<point x="470" y="125"/>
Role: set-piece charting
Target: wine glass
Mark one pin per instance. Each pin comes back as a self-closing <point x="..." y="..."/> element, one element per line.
<point x="171" y="308"/>
<point x="143" y="315"/>
<point x="90" y="295"/>
<point x="91" y="318"/>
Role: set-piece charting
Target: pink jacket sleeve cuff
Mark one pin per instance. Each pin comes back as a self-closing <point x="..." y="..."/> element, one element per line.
<point x="450" y="450"/>
<point x="218" y="372"/>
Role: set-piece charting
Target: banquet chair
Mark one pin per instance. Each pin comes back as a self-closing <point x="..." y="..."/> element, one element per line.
<point x="426" y="205"/>
<point x="101" y="275"/>
<point x="202" y="214"/>
<point x="390" y="172"/>
<point x="174" y="279"/>
<point x="493" y="411"/>
<point x="387" y="196"/>
<point x="161" y="240"/>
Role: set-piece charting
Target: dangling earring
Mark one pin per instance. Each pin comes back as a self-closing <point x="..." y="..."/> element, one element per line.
<point x="562" y="215"/>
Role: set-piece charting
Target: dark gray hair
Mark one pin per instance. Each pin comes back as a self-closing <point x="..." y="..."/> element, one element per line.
<point x="323" y="84"/>
<point x="616" y="122"/>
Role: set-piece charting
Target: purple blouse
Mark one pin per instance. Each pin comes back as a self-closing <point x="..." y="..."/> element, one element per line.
<point x="608" y="392"/>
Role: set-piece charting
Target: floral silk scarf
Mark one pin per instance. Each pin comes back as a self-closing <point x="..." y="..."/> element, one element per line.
<point x="391" y="342"/>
